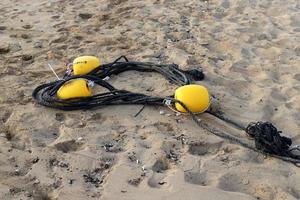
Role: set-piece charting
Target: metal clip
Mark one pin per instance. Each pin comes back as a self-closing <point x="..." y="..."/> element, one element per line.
<point x="168" y="102"/>
<point x="90" y="83"/>
<point x="69" y="69"/>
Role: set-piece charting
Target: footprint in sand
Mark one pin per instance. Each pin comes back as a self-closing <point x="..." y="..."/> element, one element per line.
<point x="231" y="182"/>
<point x="238" y="183"/>
<point x="157" y="180"/>
<point x="69" y="145"/>
<point x="164" y="127"/>
<point x="196" y="176"/>
<point x="203" y="148"/>
<point x="172" y="149"/>
<point x="162" y="164"/>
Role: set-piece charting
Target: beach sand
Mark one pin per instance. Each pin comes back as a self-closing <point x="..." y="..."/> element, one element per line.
<point x="249" y="51"/>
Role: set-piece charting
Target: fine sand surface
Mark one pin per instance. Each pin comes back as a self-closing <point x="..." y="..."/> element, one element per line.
<point x="248" y="49"/>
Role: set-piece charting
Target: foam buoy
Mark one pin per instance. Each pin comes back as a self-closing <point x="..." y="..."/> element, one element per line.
<point x="195" y="97"/>
<point x="84" y="64"/>
<point x="73" y="89"/>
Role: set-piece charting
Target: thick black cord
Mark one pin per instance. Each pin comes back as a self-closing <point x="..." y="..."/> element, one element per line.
<point x="170" y="71"/>
<point x="289" y="157"/>
<point x="46" y="95"/>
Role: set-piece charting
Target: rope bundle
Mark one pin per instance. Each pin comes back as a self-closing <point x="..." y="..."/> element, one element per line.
<point x="169" y="71"/>
<point x="45" y="95"/>
<point x="267" y="138"/>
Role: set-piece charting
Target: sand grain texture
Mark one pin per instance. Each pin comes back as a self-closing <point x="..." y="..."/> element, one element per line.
<point x="249" y="50"/>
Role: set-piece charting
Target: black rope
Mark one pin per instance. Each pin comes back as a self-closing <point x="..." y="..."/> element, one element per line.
<point x="229" y="137"/>
<point x="170" y="71"/>
<point x="46" y="96"/>
<point x="267" y="139"/>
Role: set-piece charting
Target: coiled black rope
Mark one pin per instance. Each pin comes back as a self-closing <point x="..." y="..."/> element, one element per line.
<point x="266" y="136"/>
<point x="45" y="95"/>
<point x="169" y="71"/>
<point x="268" y="139"/>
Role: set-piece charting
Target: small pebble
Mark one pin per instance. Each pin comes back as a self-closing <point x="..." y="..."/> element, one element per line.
<point x="82" y="124"/>
<point x="107" y="165"/>
<point x="106" y="78"/>
<point x="36" y="181"/>
<point x="135" y="181"/>
<point x="179" y="121"/>
<point x="71" y="181"/>
<point x="162" y="182"/>
<point x="161" y="112"/>
<point x="80" y="139"/>
<point x="63" y="164"/>
<point x="38" y="45"/>
<point x="17" y="172"/>
<point x="35" y="160"/>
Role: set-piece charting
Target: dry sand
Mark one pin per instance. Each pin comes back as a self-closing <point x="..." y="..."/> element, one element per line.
<point x="249" y="50"/>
